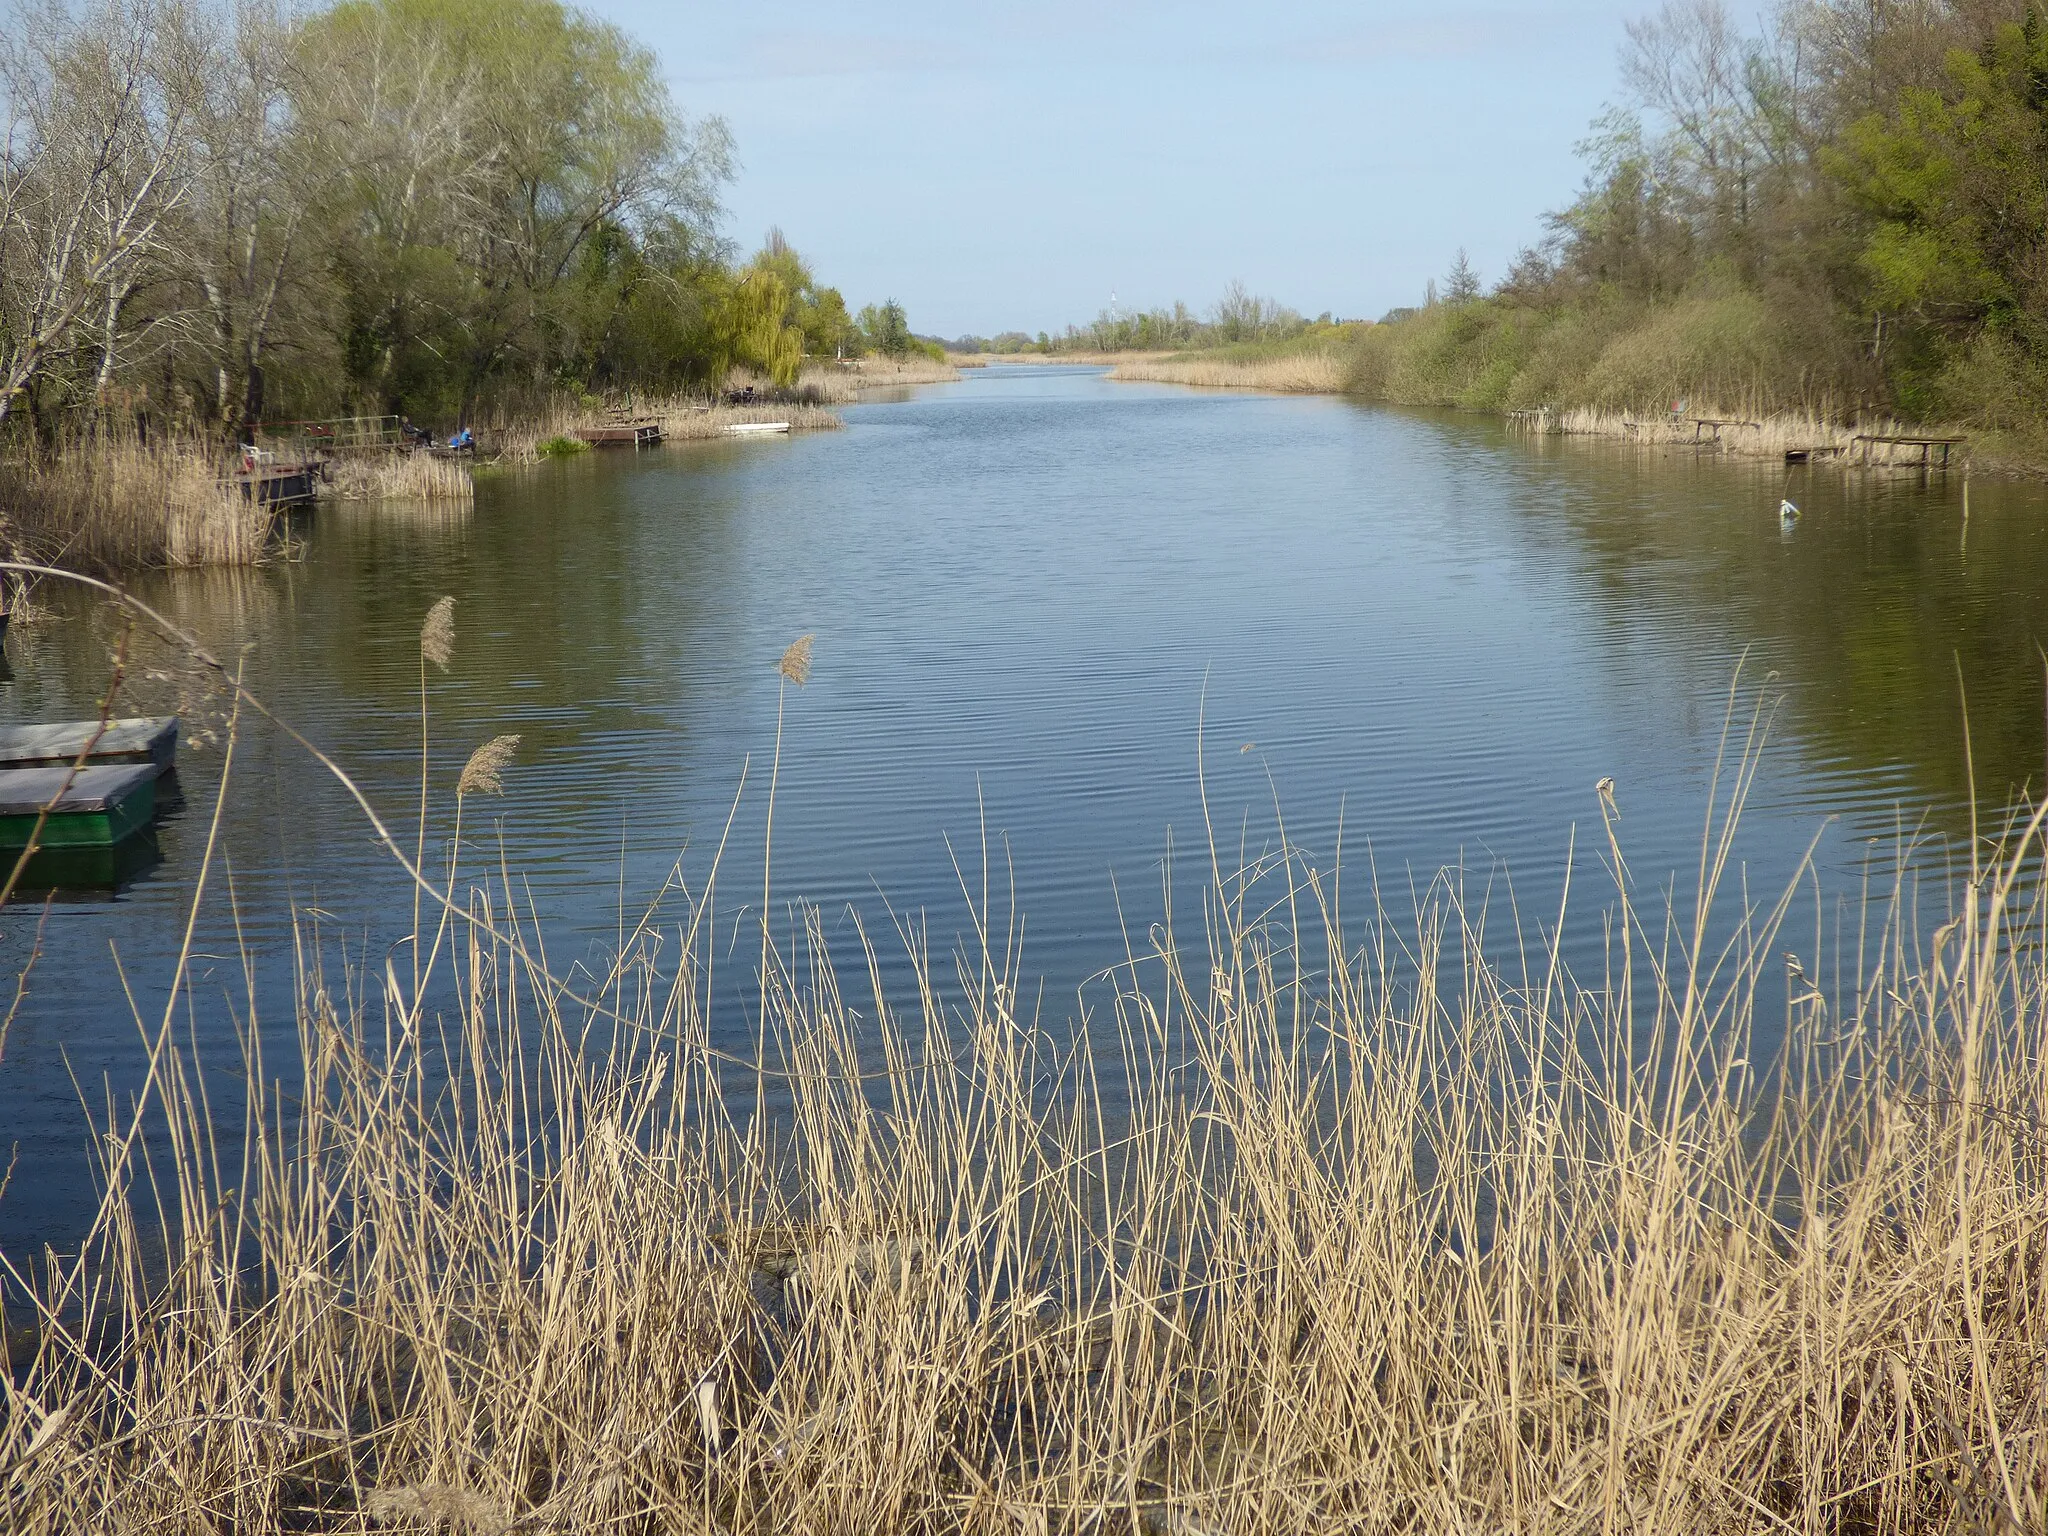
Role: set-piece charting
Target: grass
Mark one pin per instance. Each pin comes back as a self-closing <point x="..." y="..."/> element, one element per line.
<point x="1396" y="1229"/>
<point x="112" y="505"/>
<point x="1319" y="372"/>
<point x="844" y="383"/>
<point x="551" y="432"/>
<point x="400" y="476"/>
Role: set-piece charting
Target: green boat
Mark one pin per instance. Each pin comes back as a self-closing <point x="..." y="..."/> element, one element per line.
<point x="101" y="806"/>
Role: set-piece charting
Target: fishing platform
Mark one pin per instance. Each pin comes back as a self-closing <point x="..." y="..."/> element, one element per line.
<point x="278" y="482"/>
<point x="622" y="434"/>
<point x="85" y="783"/>
<point x="1893" y="442"/>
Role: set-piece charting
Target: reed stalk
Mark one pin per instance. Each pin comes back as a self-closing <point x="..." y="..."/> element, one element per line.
<point x="1333" y="1221"/>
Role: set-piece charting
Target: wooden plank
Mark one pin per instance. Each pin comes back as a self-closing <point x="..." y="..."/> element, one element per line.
<point x="99" y="807"/>
<point x="151" y="739"/>
<point x="632" y="435"/>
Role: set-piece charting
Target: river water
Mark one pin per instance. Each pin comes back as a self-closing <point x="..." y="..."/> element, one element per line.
<point x="1035" y="595"/>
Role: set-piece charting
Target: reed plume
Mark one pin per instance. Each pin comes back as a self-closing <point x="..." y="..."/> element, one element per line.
<point x="480" y="773"/>
<point x="795" y="665"/>
<point x="437" y="635"/>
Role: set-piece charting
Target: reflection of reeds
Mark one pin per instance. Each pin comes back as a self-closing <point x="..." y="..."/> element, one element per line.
<point x="115" y="504"/>
<point x="1309" y="373"/>
<point x="1375" y="1233"/>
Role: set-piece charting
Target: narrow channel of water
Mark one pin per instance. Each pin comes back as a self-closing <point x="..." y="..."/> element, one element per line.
<point x="1033" y="593"/>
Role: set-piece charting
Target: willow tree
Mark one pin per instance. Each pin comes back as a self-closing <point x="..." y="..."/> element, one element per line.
<point x="488" y="144"/>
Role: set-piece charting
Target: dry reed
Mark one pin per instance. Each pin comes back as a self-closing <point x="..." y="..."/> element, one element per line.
<point x="398" y="477"/>
<point x="1764" y="437"/>
<point x="841" y="383"/>
<point x="681" y="419"/>
<point x="1387" y="1235"/>
<point x="117" y="505"/>
<point x="1307" y="373"/>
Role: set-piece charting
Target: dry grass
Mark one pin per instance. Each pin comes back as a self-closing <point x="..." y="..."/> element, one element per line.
<point x="1309" y="373"/>
<point x="681" y="418"/>
<point x="1762" y="437"/>
<point x="844" y="383"/>
<point x="116" y="505"/>
<point x="1392" y="1236"/>
<point x="399" y="476"/>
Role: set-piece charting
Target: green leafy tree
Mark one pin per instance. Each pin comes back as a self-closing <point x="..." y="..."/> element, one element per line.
<point x="884" y="328"/>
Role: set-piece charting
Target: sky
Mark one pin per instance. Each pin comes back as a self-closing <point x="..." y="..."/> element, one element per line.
<point x="1017" y="166"/>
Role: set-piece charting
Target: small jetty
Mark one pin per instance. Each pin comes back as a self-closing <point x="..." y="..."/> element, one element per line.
<point x="755" y="428"/>
<point x="1893" y="442"/>
<point x="278" y="482"/>
<point x="1715" y="424"/>
<point x="144" y="739"/>
<point x="623" y="434"/>
<point x="93" y="807"/>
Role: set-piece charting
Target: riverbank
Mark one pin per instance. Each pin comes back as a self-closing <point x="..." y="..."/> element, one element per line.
<point x="110" y="506"/>
<point x="1516" y="1258"/>
<point x="1310" y="372"/>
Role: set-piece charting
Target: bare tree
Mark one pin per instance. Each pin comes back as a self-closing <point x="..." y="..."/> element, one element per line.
<point x="93" y="165"/>
<point x="252" y="177"/>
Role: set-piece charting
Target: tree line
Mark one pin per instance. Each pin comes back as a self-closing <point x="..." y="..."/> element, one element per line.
<point x="214" y="212"/>
<point x="1843" y="208"/>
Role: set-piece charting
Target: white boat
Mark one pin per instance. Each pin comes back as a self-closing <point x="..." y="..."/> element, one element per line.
<point x="754" y="428"/>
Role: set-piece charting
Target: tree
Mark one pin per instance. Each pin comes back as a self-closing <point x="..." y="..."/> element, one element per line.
<point x="1461" y="286"/>
<point x="885" y="329"/>
<point x="1956" y="186"/>
<point x="93" y="164"/>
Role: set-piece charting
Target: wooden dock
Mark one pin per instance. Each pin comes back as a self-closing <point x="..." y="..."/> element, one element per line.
<point x="278" y="482"/>
<point x="1892" y="442"/>
<point x="149" y="739"/>
<point x="1715" y="424"/>
<point x="99" y="806"/>
<point x="627" y="434"/>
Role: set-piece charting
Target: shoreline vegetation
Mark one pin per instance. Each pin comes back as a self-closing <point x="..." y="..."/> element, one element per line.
<point x="1827" y="218"/>
<point x="116" y="505"/>
<point x="464" y="213"/>
<point x="1379" y="1228"/>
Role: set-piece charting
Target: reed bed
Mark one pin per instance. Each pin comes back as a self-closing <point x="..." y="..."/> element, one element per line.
<point x="681" y="418"/>
<point x="1311" y="372"/>
<point x="843" y="383"/>
<point x="1342" y="1223"/>
<point x="1767" y="436"/>
<point x="114" y="505"/>
<point x="400" y="477"/>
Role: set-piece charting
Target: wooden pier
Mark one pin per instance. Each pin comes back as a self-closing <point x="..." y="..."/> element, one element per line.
<point x="1892" y="442"/>
<point x="1715" y="424"/>
<point x="625" y="434"/>
<point x="278" y="482"/>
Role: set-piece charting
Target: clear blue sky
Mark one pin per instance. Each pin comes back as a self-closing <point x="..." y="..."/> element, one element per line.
<point x="1002" y="165"/>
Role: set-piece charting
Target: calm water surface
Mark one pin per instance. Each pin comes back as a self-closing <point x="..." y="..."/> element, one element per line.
<point x="1033" y="592"/>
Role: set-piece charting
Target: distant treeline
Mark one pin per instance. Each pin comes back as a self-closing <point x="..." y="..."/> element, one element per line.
<point x="1239" y="317"/>
<point x="1845" y="212"/>
<point x="214" y="213"/>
